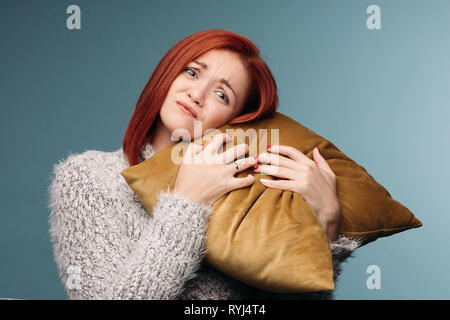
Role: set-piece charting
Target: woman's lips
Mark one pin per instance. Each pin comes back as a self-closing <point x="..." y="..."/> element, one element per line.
<point x="185" y="110"/>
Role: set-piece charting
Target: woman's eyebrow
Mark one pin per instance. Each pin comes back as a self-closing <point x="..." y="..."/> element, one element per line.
<point x="225" y="82"/>
<point x="201" y="64"/>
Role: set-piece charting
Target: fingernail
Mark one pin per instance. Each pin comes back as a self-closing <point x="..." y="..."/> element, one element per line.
<point x="268" y="147"/>
<point x="318" y="149"/>
<point x="255" y="167"/>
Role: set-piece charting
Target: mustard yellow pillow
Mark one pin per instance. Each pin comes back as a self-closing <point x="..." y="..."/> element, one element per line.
<point x="269" y="238"/>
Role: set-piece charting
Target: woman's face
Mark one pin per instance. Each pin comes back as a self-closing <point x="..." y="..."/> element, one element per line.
<point x="215" y="85"/>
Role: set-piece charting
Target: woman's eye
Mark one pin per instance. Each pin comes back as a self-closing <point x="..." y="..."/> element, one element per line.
<point x="223" y="96"/>
<point x="190" y="72"/>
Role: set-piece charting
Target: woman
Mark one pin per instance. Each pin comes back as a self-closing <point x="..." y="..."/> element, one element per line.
<point x="108" y="247"/>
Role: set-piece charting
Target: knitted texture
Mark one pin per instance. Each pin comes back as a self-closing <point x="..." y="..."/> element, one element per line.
<point x="107" y="246"/>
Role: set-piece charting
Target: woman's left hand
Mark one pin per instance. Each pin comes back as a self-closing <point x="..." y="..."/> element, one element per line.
<point x="313" y="180"/>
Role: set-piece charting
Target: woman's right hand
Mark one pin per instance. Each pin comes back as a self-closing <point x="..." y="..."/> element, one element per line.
<point x="204" y="175"/>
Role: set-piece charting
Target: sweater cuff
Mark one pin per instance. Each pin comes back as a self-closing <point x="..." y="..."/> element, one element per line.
<point x="344" y="245"/>
<point x="175" y="209"/>
<point x="342" y="249"/>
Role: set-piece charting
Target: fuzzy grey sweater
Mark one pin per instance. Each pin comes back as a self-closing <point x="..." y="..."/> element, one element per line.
<point x="107" y="246"/>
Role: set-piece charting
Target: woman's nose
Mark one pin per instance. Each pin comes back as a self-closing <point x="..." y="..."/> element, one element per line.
<point x="197" y="95"/>
<point x="194" y="98"/>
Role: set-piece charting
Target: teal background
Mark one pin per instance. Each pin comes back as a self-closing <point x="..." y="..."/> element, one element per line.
<point x="382" y="96"/>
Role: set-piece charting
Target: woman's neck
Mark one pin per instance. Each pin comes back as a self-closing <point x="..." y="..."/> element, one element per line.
<point x="160" y="137"/>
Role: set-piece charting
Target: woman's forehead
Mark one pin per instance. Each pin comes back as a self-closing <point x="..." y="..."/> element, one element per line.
<point x="225" y="65"/>
<point x="219" y="57"/>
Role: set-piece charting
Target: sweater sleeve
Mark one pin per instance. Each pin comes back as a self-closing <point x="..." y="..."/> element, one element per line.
<point x="96" y="259"/>
<point x="342" y="249"/>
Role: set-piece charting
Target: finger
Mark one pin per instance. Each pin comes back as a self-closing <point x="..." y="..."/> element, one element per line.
<point x="278" y="184"/>
<point x="321" y="161"/>
<point x="197" y="148"/>
<point x="291" y="152"/>
<point x="234" y="152"/>
<point x="217" y="142"/>
<point x="191" y="151"/>
<point x="243" y="164"/>
<point x="280" y="172"/>
<point x="278" y="160"/>
<point x="238" y="183"/>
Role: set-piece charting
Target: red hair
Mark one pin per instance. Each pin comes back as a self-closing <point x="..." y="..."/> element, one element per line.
<point x="262" y="100"/>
